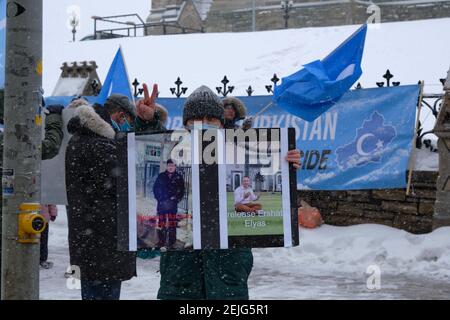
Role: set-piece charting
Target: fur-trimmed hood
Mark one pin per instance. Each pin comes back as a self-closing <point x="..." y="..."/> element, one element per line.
<point x="78" y="103"/>
<point x="86" y="118"/>
<point x="238" y="105"/>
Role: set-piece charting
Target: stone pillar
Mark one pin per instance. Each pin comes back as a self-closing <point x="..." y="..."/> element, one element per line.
<point x="442" y="130"/>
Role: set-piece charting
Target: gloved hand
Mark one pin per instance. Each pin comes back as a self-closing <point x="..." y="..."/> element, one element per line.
<point x="53" y="218"/>
<point x="55" y="108"/>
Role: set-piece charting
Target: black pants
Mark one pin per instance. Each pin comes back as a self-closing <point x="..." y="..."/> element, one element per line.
<point x="167" y="233"/>
<point x="44" y="245"/>
<point x="95" y="290"/>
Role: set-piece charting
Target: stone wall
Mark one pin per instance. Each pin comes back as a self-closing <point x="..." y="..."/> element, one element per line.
<point x="318" y="14"/>
<point x="189" y="21"/>
<point x="236" y="15"/>
<point x="393" y="208"/>
<point x="163" y="3"/>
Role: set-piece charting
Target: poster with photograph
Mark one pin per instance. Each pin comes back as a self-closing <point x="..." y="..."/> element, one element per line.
<point x="208" y="189"/>
<point x="159" y="186"/>
<point x="260" y="207"/>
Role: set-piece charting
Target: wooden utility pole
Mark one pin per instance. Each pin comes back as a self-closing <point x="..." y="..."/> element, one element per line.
<point x="22" y="145"/>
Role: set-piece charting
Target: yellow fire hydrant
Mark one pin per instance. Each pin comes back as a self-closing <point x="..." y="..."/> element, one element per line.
<point x="31" y="223"/>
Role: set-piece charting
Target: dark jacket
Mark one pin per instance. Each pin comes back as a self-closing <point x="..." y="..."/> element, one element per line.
<point x="53" y="136"/>
<point x="168" y="192"/>
<point x="91" y="181"/>
<point x="91" y="163"/>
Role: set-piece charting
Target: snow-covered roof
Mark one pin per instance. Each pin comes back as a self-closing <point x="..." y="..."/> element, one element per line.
<point x="251" y="58"/>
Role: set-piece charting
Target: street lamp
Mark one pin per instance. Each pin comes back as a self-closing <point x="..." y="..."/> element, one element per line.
<point x="286" y="6"/>
<point x="74" y="22"/>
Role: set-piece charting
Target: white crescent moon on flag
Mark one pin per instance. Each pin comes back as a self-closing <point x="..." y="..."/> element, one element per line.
<point x="360" y="142"/>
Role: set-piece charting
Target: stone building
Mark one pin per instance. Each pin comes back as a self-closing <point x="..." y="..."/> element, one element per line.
<point x="177" y="16"/>
<point x="78" y="79"/>
<point x="237" y="15"/>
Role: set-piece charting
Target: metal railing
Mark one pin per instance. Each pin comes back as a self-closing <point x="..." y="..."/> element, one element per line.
<point x="131" y="29"/>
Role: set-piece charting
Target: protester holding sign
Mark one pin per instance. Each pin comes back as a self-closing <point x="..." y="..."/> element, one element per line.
<point x="207" y="274"/>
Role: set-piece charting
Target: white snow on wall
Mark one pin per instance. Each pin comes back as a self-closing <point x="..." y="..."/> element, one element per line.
<point x="70" y="86"/>
<point x="411" y="50"/>
<point x="424" y="160"/>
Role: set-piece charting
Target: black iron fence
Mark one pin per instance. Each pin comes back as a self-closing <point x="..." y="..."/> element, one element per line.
<point x="432" y="102"/>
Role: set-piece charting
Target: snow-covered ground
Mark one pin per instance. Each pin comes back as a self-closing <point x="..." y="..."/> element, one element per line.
<point x="330" y="263"/>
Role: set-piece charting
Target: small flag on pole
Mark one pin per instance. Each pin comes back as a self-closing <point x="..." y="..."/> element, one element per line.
<point x="318" y="86"/>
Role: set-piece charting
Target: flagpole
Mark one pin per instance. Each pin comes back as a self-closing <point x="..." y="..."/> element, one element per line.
<point x="263" y="109"/>
<point x="413" y="152"/>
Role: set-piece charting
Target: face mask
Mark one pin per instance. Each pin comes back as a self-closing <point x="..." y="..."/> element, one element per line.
<point x="115" y="125"/>
<point x="124" y="127"/>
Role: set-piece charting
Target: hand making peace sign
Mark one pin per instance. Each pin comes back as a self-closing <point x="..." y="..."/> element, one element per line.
<point x="146" y="108"/>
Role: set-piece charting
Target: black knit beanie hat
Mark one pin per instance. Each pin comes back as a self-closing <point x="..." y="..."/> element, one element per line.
<point x="203" y="102"/>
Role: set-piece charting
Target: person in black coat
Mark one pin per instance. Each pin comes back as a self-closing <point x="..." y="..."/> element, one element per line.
<point x="92" y="172"/>
<point x="168" y="190"/>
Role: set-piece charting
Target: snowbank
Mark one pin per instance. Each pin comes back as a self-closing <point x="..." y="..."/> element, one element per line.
<point x="425" y="160"/>
<point x="354" y="248"/>
<point x="331" y="262"/>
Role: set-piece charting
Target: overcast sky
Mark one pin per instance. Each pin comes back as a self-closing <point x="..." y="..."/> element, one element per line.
<point x="57" y="14"/>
